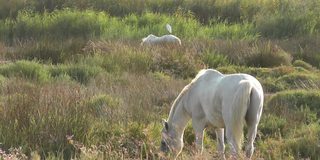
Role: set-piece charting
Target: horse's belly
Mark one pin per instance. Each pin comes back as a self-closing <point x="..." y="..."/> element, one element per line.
<point x="216" y="121"/>
<point x="213" y="111"/>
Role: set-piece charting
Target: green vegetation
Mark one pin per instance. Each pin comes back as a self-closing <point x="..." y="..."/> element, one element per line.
<point x="75" y="82"/>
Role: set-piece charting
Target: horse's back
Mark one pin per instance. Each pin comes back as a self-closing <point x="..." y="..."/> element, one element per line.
<point x="211" y="90"/>
<point x="233" y="80"/>
<point x="169" y="38"/>
<point x="232" y="83"/>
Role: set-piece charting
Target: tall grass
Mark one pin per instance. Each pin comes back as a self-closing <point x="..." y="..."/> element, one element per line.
<point x="75" y="83"/>
<point x="67" y="23"/>
<point x="286" y="19"/>
<point x="87" y="105"/>
<point x="276" y="22"/>
<point x="57" y="25"/>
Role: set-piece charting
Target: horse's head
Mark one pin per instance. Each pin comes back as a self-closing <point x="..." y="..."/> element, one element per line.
<point x="169" y="142"/>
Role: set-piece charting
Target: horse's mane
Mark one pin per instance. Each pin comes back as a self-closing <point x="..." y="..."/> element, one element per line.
<point x="182" y="93"/>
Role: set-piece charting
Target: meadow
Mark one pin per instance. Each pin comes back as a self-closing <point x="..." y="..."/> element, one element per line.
<point x="77" y="84"/>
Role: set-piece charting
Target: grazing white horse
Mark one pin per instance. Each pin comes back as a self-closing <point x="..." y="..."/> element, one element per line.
<point x="165" y="39"/>
<point x="225" y="102"/>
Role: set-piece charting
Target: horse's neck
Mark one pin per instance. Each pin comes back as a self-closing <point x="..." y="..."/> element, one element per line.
<point x="179" y="119"/>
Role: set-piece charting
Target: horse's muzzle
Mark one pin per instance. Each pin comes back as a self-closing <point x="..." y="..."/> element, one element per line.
<point x="164" y="147"/>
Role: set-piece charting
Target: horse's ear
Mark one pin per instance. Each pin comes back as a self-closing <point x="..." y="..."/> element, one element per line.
<point x="165" y="124"/>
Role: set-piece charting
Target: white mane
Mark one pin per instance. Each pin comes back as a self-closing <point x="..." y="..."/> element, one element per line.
<point x="183" y="92"/>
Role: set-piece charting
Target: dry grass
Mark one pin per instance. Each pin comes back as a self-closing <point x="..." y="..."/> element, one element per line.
<point x="117" y="112"/>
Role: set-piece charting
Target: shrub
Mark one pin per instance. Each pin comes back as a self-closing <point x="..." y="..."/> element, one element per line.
<point x="59" y="24"/>
<point x="27" y="69"/>
<point x="267" y="55"/>
<point x="103" y="105"/>
<point x="175" y="63"/>
<point x="274" y="148"/>
<point x="47" y="50"/>
<point x="37" y="117"/>
<point x="10" y="8"/>
<point x="214" y="60"/>
<point x="271" y="125"/>
<point x="121" y="58"/>
<point x="227" y="69"/>
<point x="223" y="30"/>
<point x="281" y="71"/>
<point x="304" y="142"/>
<point x="279" y="25"/>
<point x="160" y="76"/>
<point x="270" y="85"/>
<point x="2" y="80"/>
<point x="82" y="73"/>
<point x="300" y="80"/>
<point x="295" y="99"/>
<point x="78" y="72"/>
<point x="286" y="19"/>
<point x="305" y="65"/>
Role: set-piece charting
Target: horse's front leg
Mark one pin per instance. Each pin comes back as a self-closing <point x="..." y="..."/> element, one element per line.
<point x="220" y="142"/>
<point x="198" y="126"/>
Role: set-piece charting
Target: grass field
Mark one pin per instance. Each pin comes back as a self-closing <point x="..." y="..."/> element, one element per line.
<point x="76" y="83"/>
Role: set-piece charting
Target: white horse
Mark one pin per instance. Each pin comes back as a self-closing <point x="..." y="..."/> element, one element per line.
<point x="165" y="39"/>
<point x="222" y="101"/>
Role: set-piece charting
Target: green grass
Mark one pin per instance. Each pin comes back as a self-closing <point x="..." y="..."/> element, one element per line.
<point x="75" y="82"/>
<point x="104" y="106"/>
<point x="296" y="98"/>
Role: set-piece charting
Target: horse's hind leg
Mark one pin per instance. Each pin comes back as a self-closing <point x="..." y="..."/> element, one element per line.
<point x="251" y="135"/>
<point x="252" y="132"/>
<point x="231" y="137"/>
<point x="252" y="118"/>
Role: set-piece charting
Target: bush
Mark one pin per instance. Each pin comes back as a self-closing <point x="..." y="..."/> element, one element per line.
<point x="214" y="60"/>
<point x="119" y="58"/>
<point x="103" y="105"/>
<point x="59" y="24"/>
<point x="301" y="143"/>
<point x="279" y="26"/>
<point x="267" y="55"/>
<point x="176" y="64"/>
<point x="37" y="117"/>
<point x="281" y="71"/>
<point x="270" y="85"/>
<point x="78" y="72"/>
<point x="47" y="50"/>
<point x="304" y="142"/>
<point x="294" y="99"/>
<point x="227" y="69"/>
<point x="271" y="125"/>
<point x="27" y="69"/>
<point x="300" y="80"/>
<point x="10" y="8"/>
<point x="223" y="30"/>
<point x="305" y="65"/>
<point x="288" y="19"/>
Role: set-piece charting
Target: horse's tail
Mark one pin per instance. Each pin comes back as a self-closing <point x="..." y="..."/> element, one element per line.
<point x="240" y="106"/>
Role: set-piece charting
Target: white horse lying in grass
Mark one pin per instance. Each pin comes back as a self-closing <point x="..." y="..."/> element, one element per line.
<point x="222" y="101"/>
<point x="165" y="39"/>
